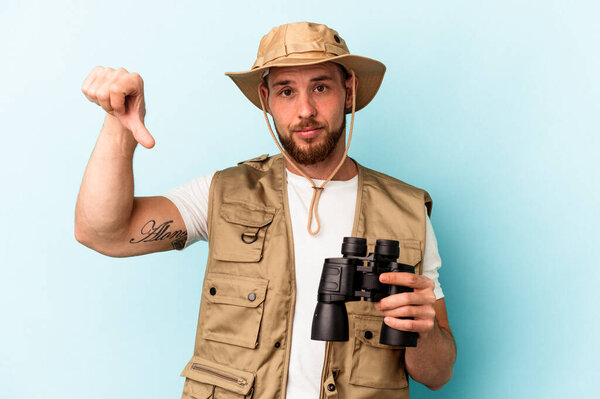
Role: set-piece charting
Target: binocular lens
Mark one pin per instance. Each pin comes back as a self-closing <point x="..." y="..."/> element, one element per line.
<point x="330" y="322"/>
<point x="387" y="248"/>
<point x="352" y="246"/>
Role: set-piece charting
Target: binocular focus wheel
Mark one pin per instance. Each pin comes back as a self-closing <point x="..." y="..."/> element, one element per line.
<point x="249" y="241"/>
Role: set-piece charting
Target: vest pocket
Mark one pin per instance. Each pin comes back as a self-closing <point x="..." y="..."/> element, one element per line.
<point x="375" y="365"/>
<point x="206" y="379"/>
<point x="233" y="308"/>
<point x="241" y="230"/>
<point x="410" y="253"/>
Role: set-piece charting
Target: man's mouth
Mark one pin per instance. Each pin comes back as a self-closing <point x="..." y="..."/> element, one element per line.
<point x="307" y="132"/>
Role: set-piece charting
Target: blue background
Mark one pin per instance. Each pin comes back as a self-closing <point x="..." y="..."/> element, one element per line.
<point x="493" y="107"/>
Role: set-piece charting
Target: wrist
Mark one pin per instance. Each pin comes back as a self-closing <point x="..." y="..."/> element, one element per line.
<point x="119" y="136"/>
<point x="430" y="334"/>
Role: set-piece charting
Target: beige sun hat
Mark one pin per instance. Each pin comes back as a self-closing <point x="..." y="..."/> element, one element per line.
<point x="305" y="43"/>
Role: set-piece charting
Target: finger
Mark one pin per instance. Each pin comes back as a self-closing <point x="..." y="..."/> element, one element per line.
<point x="90" y="97"/>
<point x="404" y="299"/>
<point x="132" y="83"/>
<point x="126" y="95"/>
<point x="117" y="98"/>
<point x="96" y="84"/>
<point x="90" y="79"/>
<point x="420" y="326"/>
<point x="406" y="280"/>
<point x="118" y="90"/>
<point x="142" y="135"/>
<point x="103" y="97"/>
<point x="90" y="90"/>
<point x="418" y="312"/>
<point x="100" y="88"/>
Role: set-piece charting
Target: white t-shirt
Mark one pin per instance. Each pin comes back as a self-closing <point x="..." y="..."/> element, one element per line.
<point x="336" y="214"/>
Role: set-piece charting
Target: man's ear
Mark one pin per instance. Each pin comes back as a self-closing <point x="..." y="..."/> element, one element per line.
<point x="264" y="93"/>
<point x="350" y="92"/>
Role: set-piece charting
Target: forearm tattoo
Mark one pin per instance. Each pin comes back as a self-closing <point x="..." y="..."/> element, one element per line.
<point x="151" y="233"/>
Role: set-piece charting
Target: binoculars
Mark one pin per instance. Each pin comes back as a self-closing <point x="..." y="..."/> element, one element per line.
<point x="356" y="276"/>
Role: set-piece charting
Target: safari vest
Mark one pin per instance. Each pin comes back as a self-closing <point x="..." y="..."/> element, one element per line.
<point x="244" y="331"/>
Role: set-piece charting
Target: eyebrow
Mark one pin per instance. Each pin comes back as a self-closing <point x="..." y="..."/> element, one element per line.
<point x="315" y="79"/>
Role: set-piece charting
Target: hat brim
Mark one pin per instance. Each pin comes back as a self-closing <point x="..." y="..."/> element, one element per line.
<point x="369" y="74"/>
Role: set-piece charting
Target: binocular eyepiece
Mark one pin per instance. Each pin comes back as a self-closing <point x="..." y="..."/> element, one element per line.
<point x="356" y="276"/>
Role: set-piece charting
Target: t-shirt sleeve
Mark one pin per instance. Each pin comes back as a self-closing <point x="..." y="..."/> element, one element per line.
<point x="191" y="199"/>
<point x="431" y="259"/>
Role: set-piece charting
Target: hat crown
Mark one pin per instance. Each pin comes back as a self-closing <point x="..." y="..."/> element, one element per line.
<point x="299" y="40"/>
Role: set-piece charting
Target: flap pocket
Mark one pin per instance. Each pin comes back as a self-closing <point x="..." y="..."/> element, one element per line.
<point x="241" y="229"/>
<point x="235" y="290"/>
<point x="373" y="364"/>
<point x="410" y="252"/>
<point x="215" y="374"/>
<point x="232" y="309"/>
<point x="243" y="214"/>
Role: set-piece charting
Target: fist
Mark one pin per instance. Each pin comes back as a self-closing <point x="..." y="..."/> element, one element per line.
<point x="418" y="305"/>
<point x="121" y="94"/>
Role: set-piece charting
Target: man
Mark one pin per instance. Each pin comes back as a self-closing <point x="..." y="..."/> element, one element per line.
<point x="270" y="222"/>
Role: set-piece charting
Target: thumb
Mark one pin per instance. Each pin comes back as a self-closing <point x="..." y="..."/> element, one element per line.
<point x="142" y="135"/>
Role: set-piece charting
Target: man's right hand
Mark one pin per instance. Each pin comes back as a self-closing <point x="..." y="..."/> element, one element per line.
<point x="121" y="94"/>
<point x="108" y="217"/>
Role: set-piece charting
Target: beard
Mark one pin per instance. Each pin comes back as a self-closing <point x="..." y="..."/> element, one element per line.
<point x="314" y="152"/>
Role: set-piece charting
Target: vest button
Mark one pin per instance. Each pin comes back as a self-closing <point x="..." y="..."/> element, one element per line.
<point x="251" y="296"/>
<point x="368" y="334"/>
<point x="277" y="344"/>
<point x="213" y="291"/>
<point x="331" y="387"/>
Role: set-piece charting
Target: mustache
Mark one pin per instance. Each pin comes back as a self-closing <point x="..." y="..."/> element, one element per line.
<point x="309" y="123"/>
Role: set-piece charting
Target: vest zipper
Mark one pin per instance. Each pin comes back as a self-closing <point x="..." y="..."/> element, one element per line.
<point x="292" y="274"/>
<point x="221" y="374"/>
<point x="324" y="372"/>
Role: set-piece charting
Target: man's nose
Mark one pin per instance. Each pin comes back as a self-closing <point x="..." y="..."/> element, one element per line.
<point x="306" y="106"/>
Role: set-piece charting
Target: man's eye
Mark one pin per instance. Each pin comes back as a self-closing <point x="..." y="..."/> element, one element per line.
<point x="320" y="88"/>
<point x="286" y="92"/>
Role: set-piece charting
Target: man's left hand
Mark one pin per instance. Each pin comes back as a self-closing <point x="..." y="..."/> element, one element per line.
<point x="417" y="305"/>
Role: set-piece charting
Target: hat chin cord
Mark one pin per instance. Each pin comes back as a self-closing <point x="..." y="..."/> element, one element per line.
<point x="314" y="202"/>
